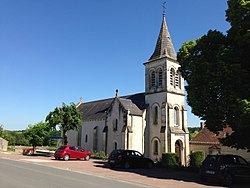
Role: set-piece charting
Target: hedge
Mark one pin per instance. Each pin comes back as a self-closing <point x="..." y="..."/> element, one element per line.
<point x="170" y="160"/>
<point x="196" y="158"/>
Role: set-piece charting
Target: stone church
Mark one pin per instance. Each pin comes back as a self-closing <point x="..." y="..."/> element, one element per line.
<point x="152" y="122"/>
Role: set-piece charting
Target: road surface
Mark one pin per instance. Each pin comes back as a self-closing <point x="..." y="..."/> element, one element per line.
<point x="16" y="174"/>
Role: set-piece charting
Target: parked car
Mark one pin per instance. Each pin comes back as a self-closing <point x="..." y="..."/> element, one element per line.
<point x="129" y="159"/>
<point x="225" y="167"/>
<point x="72" y="152"/>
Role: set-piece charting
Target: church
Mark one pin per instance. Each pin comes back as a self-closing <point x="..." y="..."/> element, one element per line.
<point x="152" y="122"/>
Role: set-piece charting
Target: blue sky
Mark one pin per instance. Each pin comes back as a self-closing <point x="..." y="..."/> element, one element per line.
<point x="54" y="51"/>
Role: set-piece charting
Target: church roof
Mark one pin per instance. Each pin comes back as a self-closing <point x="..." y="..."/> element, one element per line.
<point x="164" y="46"/>
<point x="130" y="106"/>
<point x="96" y="110"/>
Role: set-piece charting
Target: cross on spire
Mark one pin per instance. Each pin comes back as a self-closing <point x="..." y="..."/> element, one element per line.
<point x="164" y="8"/>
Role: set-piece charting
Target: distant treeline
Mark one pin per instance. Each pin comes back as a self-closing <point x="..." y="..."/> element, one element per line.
<point x="20" y="138"/>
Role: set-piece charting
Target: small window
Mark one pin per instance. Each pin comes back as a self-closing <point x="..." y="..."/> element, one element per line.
<point x="95" y="138"/>
<point x="155" y="115"/>
<point x="156" y="147"/>
<point x="160" y="78"/>
<point x="86" y="138"/>
<point x="115" y="125"/>
<point x="176" y="116"/>
<point x="115" y="145"/>
<point x="153" y="79"/>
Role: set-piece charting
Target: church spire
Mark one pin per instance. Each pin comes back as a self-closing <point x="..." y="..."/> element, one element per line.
<point x="164" y="46"/>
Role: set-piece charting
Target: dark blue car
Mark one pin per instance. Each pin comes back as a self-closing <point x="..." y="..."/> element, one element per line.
<point x="225" y="167"/>
<point x="129" y="159"/>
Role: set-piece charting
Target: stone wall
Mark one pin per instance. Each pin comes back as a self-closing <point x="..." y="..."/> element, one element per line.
<point x="3" y="144"/>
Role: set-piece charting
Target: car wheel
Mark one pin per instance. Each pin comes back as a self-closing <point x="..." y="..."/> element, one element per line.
<point x="66" y="157"/>
<point x="228" y="180"/>
<point x="87" y="157"/>
<point x="126" y="165"/>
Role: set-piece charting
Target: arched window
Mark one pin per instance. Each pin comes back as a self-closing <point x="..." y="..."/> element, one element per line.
<point x="156" y="147"/>
<point x="176" y="116"/>
<point x="95" y="139"/>
<point x="86" y="138"/>
<point x="115" y="145"/>
<point x="115" y="125"/>
<point x="160" y="78"/>
<point x="155" y="115"/>
<point x="177" y="79"/>
<point x="172" y="74"/>
<point x="153" y="79"/>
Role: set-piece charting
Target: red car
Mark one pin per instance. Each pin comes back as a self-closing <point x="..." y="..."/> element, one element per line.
<point x="72" y="152"/>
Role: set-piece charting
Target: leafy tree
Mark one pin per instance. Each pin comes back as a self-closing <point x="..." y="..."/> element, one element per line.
<point x="7" y="135"/>
<point x="37" y="134"/>
<point x="67" y="117"/>
<point x="193" y="131"/>
<point x="14" y="137"/>
<point x="216" y="68"/>
<point x="20" y="138"/>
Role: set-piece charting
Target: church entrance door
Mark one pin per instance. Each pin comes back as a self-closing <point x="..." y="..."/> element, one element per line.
<point x="178" y="150"/>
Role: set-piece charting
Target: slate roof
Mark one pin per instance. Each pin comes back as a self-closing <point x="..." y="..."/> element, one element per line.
<point x="129" y="105"/>
<point x="164" y="46"/>
<point x="96" y="110"/>
<point x="207" y="137"/>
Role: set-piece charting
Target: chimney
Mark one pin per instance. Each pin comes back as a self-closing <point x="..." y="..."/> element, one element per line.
<point x="202" y="125"/>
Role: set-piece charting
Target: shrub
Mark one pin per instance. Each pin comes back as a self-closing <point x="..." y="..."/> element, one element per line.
<point x="170" y="160"/>
<point x="99" y="155"/>
<point x="196" y="158"/>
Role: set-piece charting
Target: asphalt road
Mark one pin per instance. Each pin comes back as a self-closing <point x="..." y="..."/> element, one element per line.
<point x="16" y="174"/>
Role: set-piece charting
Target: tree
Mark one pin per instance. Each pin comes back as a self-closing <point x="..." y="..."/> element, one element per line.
<point x="37" y="134"/>
<point x="216" y="68"/>
<point x="193" y="132"/>
<point x="21" y="139"/>
<point x="67" y="117"/>
<point x="7" y="135"/>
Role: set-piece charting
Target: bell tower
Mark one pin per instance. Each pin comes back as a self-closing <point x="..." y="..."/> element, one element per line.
<point x="166" y="119"/>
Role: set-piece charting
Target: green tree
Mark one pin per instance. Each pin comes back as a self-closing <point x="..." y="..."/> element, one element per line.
<point x="193" y="134"/>
<point x="21" y="138"/>
<point x="37" y="134"/>
<point x="216" y="68"/>
<point x="67" y="117"/>
<point x="7" y="135"/>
